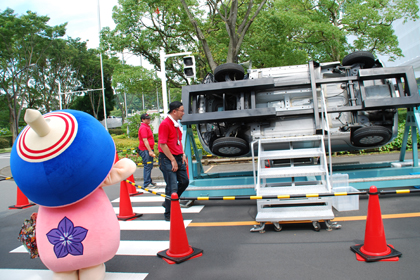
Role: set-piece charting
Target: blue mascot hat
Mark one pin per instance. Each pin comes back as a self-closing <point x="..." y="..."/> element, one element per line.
<point x="61" y="157"/>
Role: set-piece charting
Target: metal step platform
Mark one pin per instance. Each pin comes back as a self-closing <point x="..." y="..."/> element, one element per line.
<point x="310" y="176"/>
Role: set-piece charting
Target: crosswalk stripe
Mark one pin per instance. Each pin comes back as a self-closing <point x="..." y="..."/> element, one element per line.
<point x="143" y="198"/>
<point x="128" y="247"/>
<point x="141" y="248"/>
<point x="148" y="225"/>
<point x="161" y="210"/>
<point x="44" y="274"/>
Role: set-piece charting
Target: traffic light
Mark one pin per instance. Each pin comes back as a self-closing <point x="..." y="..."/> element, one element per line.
<point x="189" y="66"/>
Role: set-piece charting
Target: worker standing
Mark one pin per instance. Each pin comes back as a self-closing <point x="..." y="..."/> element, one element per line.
<point x="146" y="146"/>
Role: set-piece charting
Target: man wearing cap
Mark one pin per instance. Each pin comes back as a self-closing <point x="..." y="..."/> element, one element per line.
<point x="172" y="160"/>
<point x="146" y="145"/>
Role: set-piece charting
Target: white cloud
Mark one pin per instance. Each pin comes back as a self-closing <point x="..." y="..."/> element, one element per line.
<point x="81" y="15"/>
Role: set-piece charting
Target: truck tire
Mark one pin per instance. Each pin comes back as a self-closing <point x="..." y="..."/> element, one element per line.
<point x="229" y="72"/>
<point x="230" y="147"/>
<point x="363" y="57"/>
<point x="371" y="136"/>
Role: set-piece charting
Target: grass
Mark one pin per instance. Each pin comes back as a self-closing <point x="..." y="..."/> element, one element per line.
<point x="5" y="150"/>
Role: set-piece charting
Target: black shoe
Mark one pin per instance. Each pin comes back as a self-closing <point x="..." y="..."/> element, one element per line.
<point x="168" y="219"/>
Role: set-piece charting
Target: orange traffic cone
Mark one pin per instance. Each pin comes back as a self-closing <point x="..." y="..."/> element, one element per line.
<point x="179" y="249"/>
<point x="132" y="191"/>
<point x="21" y="201"/>
<point x="126" y="210"/>
<point x="375" y="247"/>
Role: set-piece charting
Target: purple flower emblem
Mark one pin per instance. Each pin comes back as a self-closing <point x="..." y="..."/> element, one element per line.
<point x="67" y="239"/>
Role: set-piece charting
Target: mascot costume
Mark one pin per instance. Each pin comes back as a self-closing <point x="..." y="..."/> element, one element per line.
<point x="61" y="161"/>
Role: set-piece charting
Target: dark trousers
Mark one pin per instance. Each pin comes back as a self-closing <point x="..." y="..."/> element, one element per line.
<point x="176" y="182"/>
<point x="147" y="167"/>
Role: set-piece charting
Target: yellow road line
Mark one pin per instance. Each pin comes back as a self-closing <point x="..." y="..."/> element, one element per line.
<point x="337" y="219"/>
<point x="209" y="169"/>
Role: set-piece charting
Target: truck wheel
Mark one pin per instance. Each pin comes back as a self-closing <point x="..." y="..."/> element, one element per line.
<point x="229" y="72"/>
<point x="363" y="57"/>
<point x="371" y="136"/>
<point x="230" y="147"/>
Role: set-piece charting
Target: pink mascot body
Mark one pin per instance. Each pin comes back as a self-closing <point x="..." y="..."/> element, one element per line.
<point x="61" y="161"/>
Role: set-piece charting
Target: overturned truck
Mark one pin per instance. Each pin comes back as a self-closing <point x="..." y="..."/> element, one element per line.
<point x="361" y="97"/>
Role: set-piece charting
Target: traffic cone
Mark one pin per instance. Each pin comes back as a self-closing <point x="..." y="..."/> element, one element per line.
<point x="132" y="191"/>
<point x="375" y="247"/>
<point x="179" y="249"/>
<point x="21" y="201"/>
<point x="126" y="210"/>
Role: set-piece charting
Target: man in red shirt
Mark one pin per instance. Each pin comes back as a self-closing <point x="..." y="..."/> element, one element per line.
<point x="146" y="145"/>
<point x="172" y="160"/>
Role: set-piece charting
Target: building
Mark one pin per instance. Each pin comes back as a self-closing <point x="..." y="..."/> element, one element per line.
<point x="408" y="37"/>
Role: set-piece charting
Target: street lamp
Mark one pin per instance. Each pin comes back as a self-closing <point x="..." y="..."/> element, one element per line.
<point x="59" y="95"/>
<point x="102" y="68"/>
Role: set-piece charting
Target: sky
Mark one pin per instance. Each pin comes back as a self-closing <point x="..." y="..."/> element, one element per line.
<point x="81" y="17"/>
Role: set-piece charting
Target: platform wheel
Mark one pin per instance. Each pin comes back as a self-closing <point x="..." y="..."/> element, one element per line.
<point x="328" y="225"/>
<point x="277" y="227"/>
<point x="317" y="225"/>
<point x="259" y="228"/>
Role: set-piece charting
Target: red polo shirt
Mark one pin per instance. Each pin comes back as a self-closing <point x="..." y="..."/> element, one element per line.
<point x="168" y="135"/>
<point x="146" y="132"/>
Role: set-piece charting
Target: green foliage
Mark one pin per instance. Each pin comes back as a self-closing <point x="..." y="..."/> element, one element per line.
<point x="116" y="112"/>
<point x="4" y="131"/>
<point x="4" y="112"/>
<point x="126" y="148"/>
<point x="23" y="46"/>
<point x="285" y="32"/>
<point x="140" y="30"/>
<point x="4" y="143"/>
<point x="133" y="125"/>
<point x="116" y="131"/>
<point x="290" y="31"/>
<point x="138" y="84"/>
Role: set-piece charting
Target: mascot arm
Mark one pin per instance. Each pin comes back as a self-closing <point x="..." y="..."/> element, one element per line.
<point x="120" y="171"/>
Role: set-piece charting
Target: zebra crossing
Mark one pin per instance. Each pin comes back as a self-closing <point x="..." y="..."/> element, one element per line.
<point x="127" y="247"/>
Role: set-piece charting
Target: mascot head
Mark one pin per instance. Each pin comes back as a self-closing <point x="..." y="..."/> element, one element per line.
<point x="61" y="157"/>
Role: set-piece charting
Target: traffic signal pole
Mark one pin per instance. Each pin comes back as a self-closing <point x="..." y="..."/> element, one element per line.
<point x="163" y="58"/>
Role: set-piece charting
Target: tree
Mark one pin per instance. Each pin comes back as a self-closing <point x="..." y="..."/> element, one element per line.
<point x="230" y="13"/>
<point x="60" y="65"/>
<point x="325" y="30"/>
<point x="90" y="99"/>
<point x="145" y="26"/>
<point x="135" y="82"/>
<point x="23" y="43"/>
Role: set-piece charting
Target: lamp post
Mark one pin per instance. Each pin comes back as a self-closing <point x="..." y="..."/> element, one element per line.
<point x="163" y="58"/>
<point x="102" y="70"/>
<point x="59" y="95"/>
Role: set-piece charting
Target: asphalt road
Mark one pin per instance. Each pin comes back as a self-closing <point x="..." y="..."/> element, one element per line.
<point x="231" y="251"/>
